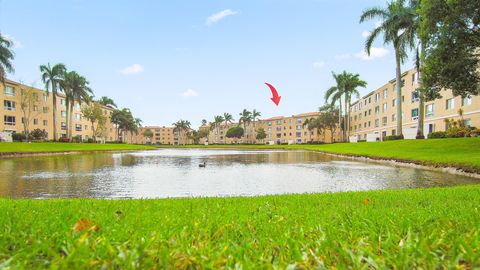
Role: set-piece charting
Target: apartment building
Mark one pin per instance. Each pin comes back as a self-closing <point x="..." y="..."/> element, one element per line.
<point x="38" y="113"/>
<point x="374" y="116"/>
<point x="161" y="135"/>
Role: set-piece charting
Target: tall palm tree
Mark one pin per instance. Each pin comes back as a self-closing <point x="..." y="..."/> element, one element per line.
<point x="217" y="121"/>
<point x="106" y="101"/>
<point x="395" y="19"/>
<point x="76" y="90"/>
<point x="351" y="83"/>
<point x="6" y="56"/>
<point x="255" y="116"/>
<point x="335" y="95"/>
<point x="52" y="77"/>
<point x="228" y="119"/>
<point x="137" y="123"/>
<point x="245" y="119"/>
<point x="182" y="126"/>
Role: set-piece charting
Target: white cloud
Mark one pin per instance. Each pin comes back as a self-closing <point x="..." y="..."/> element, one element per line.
<point x="318" y="64"/>
<point x="16" y="44"/>
<point x="189" y="93"/>
<point x="133" y="69"/>
<point x="214" y="18"/>
<point x="365" y="34"/>
<point x="374" y="53"/>
<point x="342" y="56"/>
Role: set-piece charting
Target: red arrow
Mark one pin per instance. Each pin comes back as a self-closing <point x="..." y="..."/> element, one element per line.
<point x="275" y="97"/>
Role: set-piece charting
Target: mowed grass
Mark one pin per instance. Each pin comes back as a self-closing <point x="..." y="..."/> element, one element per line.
<point x="421" y="228"/>
<point x="21" y="147"/>
<point x="462" y="153"/>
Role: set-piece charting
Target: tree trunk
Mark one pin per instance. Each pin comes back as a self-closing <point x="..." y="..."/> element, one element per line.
<point x="93" y="132"/>
<point x="340" y="119"/>
<point x="70" y="121"/>
<point x="421" y="106"/>
<point x="54" y="93"/>
<point x="398" y="88"/>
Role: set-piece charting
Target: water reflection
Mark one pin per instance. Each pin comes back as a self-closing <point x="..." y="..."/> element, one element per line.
<point x="175" y="173"/>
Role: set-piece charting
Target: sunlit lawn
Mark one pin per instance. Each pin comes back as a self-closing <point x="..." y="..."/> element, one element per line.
<point x="423" y="228"/>
<point x="22" y="147"/>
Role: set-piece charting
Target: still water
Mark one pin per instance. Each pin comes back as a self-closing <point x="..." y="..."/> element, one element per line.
<point x="175" y="173"/>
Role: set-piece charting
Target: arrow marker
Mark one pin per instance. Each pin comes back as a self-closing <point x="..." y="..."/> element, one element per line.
<point x="275" y="97"/>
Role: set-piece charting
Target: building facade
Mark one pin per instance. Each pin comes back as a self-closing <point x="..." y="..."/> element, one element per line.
<point x="373" y="117"/>
<point x="29" y="108"/>
<point x="161" y="135"/>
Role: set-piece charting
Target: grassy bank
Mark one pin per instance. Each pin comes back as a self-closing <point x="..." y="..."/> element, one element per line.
<point x="19" y="147"/>
<point x="422" y="228"/>
<point x="462" y="153"/>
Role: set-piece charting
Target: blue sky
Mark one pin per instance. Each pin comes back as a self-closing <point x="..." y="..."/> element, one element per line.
<point x="171" y="60"/>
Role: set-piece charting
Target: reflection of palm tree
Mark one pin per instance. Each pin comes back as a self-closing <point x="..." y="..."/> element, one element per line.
<point x="228" y="118"/>
<point x="245" y="118"/>
<point x="395" y="18"/>
<point x="52" y="77"/>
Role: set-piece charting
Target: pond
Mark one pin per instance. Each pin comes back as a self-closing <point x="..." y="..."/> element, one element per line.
<point x="167" y="173"/>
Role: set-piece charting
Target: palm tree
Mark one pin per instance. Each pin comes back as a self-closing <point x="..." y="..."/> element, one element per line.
<point x="6" y="56"/>
<point x="350" y="83"/>
<point x="395" y="19"/>
<point x="245" y="119"/>
<point x="228" y="119"/>
<point x="181" y="127"/>
<point x="136" y="124"/>
<point x="335" y="94"/>
<point x="217" y="121"/>
<point x="255" y="116"/>
<point x="309" y="122"/>
<point x="75" y="88"/>
<point x="106" y="101"/>
<point x="52" y="77"/>
<point x="204" y="122"/>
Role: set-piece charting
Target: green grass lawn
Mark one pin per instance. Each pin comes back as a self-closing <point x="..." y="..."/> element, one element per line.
<point x="462" y="152"/>
<point x="420" y="228"/>
<point x="19" y="147"/>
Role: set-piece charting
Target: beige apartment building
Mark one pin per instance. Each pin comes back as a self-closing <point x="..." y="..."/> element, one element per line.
<point x="161" y="135"/>
<point x="38" y="113"/>
<point x="374" y="116"/>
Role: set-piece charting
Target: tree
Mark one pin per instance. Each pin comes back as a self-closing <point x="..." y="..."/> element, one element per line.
<point x="255" y="116"/>
<point x="52" y="77"/>
<point x="93" y="112"/>
<point x="106" y="101"/>
<point x="217" y="122"/>
<point x="228" y="119"/>
<point x="6" y="56"/>
<point x="328" y="119"/>
<point x="335" y="95"/>
<point x="182" y="127"/>
<point x="261" y="134"/>
<point x="148" y="133"/>
<point x="28" y="102"/>
<point x="245" y="119"/>
<point x="235" y="132"/>
<point x="204" y="122"/>
<point x="395" y="18"/>
<point x="451" y="32"/>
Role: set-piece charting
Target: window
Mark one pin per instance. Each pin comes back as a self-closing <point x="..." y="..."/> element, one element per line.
<point x="365" y="124"/>
<point x="64" y="126"/>
<point x="44" y="123"/>
<point x="429" y="110"/>
<point x="78" y="117"/>
<point x="35" y="108"/>
<point x="365" y="113"/>
<point x="467" y="101"/>
<point x="393" y="102"/>
<point x="35" y="121"/>
<point x="44" y="98"/>
<point x="384" y="121"/>
<point x="377" y="110"/>
<point x="9" y="105"/>
<point x="299" y="127"/>
<point x="377" y="122"/>
<point x="415" y="96"/>
<point x="269" y="123"/>
<point x="385" y="93"/>
<point x="369" y="100"/>
<point x="415" y="114"/>
<point x="369" y="111"/>
<point x="64" y="114"/>
<point x="9" y="120"/>
<point x="394" y="117"/>
<point x="78" y="127"/>
<point x="77" y="106"/>
<point x="62" y="102"/>
<point x="369" y="123"/>
<point x="35" y="97"/>
<point x="9" y="91"/>
<point x="384" y="108"/>
<point x="365" y="101"/>
<point x="298" y="134"/>
<point x="279" y="122"/>
<point x="450" y="104"/>
<point x="377" y="97"/>
<point x="394" y="132"/>
<point x="279" y="128"/>
<point x="299" y="120"/>
<point x="45" y="109"/>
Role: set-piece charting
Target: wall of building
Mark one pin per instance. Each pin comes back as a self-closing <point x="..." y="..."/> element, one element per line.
<point x="375" y="113"/>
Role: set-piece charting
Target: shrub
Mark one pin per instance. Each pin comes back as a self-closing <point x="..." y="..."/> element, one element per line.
<point x="475" y="132"/>
<point x="457" y="132"/>
<point x="18" y="137"/>
<point x="393" y="138"/>
<point x="361" y="141"/>
<point x="437" y="135"/>
<point x="89" y="140"/>
<point x="77" y="139"/>
<point x="64" y="139"/>
<point x="38" y="135"/>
